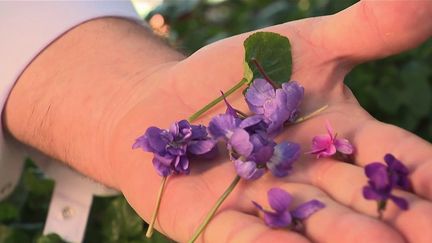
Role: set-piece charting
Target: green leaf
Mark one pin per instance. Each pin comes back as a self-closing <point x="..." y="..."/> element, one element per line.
<point x="10" y="235"/>
<point x="37" y="183"/>
<point x="248" y="73"/>
<point x="50" y="238"/>
<point x="8" y="211"/>
<point x="120" y="222"/>
<point x="272" y="51"/>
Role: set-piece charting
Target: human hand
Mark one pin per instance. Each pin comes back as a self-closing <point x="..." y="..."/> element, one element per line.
<point x="324" y="50"/>
<point x="87" y="97"/>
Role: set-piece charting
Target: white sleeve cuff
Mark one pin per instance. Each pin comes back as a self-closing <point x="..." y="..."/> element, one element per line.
<point x="26" y="28"/>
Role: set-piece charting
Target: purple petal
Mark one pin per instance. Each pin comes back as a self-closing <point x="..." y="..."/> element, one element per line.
<point x="322" y="145"/>
<point x="239" y="141"/>
<point x="400" y="202"/>
<point x="179" y="149"/>
<point x="251" y="121"/>
<point x="306" y="209"/>
<point x="294" y="93"/>
<point x="389" y="159"/>
<point x="161" y="168"/>
<point x="370" y="194"/>
<point x="343" y="146"/>
<point x="222" y="126"/>
<point x="248" y="170"/>
<point x="285" y="154"/>
<point x="263" y="154"/>
<point x="263" y="148"/>
<point x="279" y="199"/>
<point x="142" y="142"/>
<point x="230" y="110"/>
<point x="274" y="108"/>
<point x="198" y="147"/>
<point x="398" y="171"/>
<point x="166" y="159"/>
<point x="257" y="94"/>
<point x="181" y="165"/>
<point x="395" y="165"/>
<point x="378" y="176"/>
<point x="154" y="140"/>
<point x="198" y="132"/>
<point x="181" y="130"/>
<point x="277" y="220"/>
<point x="330" y="130"/>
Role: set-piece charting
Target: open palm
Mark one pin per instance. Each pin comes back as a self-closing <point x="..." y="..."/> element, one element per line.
<point x="324" y="50"/>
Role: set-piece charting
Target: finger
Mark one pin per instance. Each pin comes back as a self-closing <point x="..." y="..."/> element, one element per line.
<point x="327" y="224"/>
<point x="344" y="183"/>
<point x="374" y="139"/>
<point x="234" y="226"/>
<point x="375" y="29"/>
<point x="187" y="200"/>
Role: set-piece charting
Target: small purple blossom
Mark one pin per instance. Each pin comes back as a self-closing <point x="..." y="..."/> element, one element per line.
<point x="251" y="149"/>
<point x="171" y="147"/>
<point x="277" y="106"/>
<point x="383" y="179"/>
<point x="326" y="145"/>
<point x="281" y="216"/>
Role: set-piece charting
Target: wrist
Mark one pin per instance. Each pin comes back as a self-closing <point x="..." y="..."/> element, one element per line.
<point x="70" y="96"/>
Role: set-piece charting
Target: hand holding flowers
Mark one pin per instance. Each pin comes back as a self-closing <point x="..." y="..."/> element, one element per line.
<point x="250" y="145"/>
<point x="325" y="180"/>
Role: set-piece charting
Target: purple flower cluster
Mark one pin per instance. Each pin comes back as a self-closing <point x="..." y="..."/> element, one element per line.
<point x="383" y="179"/>
<point x="249" y="139"/>
<point x="275" y="106"/>
<point x="281" y="216"/>
<point x="171" y="147"/>
<point x="251" y="148"/>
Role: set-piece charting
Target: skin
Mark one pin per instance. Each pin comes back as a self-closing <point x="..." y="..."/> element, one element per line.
<point x="87" y="97"/>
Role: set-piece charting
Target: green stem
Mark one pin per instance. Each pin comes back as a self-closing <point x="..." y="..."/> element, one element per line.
<point x="381" y="207"/>
<point x="304" y="118"/>
<point x="155" y="212"/>
<point x="264" y="74"/>
<point x="214" y="209"/>
<point x="217" y="100"/>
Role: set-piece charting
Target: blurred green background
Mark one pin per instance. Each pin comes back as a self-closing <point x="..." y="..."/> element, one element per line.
<point x="396" y="90"/>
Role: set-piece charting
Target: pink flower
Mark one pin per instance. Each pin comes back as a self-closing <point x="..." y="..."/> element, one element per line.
<point x="326" y="145"/>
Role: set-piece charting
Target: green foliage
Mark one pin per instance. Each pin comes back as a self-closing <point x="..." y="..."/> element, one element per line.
<point x="8" y="212"/>
<point x="23" y="214"/>
<point x="272" y="51"/>
<point x="398" y="89"/>
<point x="12" y="235"/>
<point x="120" y="223"/>
<point x="50" y="238"/>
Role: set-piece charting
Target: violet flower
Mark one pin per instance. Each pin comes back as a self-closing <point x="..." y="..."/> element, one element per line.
<point x="277" y="106"/>
<point x="326" y="145"/>
<point x="383" y="179"/>
<point x="281" y="216"/>
<point x="171" y="147"/>
<point x="251" y="149"/>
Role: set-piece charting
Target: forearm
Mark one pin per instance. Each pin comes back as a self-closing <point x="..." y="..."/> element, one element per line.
<point x="71" y="97"/>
